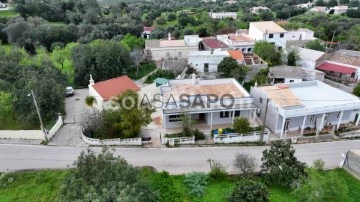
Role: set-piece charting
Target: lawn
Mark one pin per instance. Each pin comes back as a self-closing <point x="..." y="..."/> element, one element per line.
<point x="8" y="13"/>
<point x="44" y="186"/>
<point x="31" y="186"/>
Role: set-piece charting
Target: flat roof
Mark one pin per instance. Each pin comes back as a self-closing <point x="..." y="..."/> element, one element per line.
<point x="207" y="53"/>
<point x="284" y="71"/>
<point x="268" y="26"/>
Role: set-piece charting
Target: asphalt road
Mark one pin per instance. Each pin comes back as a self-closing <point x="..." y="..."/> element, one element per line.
<point x="174" y="160"/>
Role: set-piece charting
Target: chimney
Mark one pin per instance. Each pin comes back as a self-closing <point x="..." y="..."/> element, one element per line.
<point x="193" y="77"/>
<point x="169" y="36"/>
<point x="91" y="81"/>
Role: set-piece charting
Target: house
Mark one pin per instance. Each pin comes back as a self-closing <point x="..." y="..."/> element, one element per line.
<point x="238" y="41"/>
<point x="172" y="49"/>
<point x="303" y="107"/>
<point x="212" y="43"/>
<point x="222" y="15"/>
<point x="104" y="91"/>
<point x="342" y="65"/>
<point x="268" y="31"/>
<point x="319" y="9"/>
<point x="206" y="61"/>
<point x="339" y="9"/>
<point x="209" y="103"/>
<point x="291" y="74"/>
<point x="308" y="57"/>
<point x="307" y="5"/>
<point x="297" y="38"/>
<point x="258" y="9"/>
<point x="147" y="32"/>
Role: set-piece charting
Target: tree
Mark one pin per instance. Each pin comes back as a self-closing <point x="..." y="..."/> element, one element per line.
<point x="266" y="15"/>
<point x="268" y="52"/>
<point x="227" y="65"/>
<point x="104" y="177"/>
<point x="356" y="90"/>
<point x="261" y="77"/>
<point x="319" y="185"/>
<point x="244" y="164"/>
<point x="137" y="55"/>
<point x="344" y="2"/>
<point x="239" y="73"/>
<point x="90" y="101"/>
<point x="132" y="42"/>
<point x="315" y="45"/>
<point x="292" y="57"/>
<point x="354" y="4"/>
<point x="332" y="3"/>
<point x="320" y="3"/>
<point x="132" y="114"/>
<point x="171" y="17"/>
<point x="354" y="36"/>
<point x="280" y="166"/>
<point x="196" y="183"/>
<point x="241" y="125"/>
<point x="6" y="107"/>
<point x="161" y="21"/>
<point x="249" y="191"/>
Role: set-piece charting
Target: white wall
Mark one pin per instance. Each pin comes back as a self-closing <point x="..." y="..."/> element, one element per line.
<point x="159" y="53"/>
<point x="99" y="100"/>
<point x="198" y="62"/>
<point x="294" y="80"/>
<point x="306" y="63"/>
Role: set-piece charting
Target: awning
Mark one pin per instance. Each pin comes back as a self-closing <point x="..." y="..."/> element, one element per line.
<point x="331" y="67"/>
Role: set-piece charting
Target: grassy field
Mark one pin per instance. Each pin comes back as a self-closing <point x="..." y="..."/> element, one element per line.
<point x="8" y="13"/>
<point x="44" y="186"/>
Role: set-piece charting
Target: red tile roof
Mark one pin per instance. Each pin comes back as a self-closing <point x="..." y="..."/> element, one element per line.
<point x="236" y="54"/>
<point x="114" y="87"/>
<point x="214" y="43"/>
<point x="148" y="29"/>
<point x="331" y="67"/>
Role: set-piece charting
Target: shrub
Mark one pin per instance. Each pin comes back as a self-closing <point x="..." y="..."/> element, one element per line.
<point x="241" y="125"/>
<point x="218" y="171"/>
<point x="244" y="164"/>
<point x="248" y="191"/>
<point x="161" y="73"/>
<point x="280" y="166"/>
<point x="356" y="90"/>
<point x="198" y="135"/>
<point x="196" y="182"/>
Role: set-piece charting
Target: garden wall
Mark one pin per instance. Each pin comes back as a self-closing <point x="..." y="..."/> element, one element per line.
<point x="237" y="138"/>
<point x="116" y="141"/>
<point x="352" y="162"/>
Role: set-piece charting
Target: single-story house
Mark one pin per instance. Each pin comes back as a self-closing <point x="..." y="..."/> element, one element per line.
<point x="207" y="102"/>
<point x="105" y="91"/>
<point x="211" y="43"/>
<point x="305" y="106"/>
<point x="206" y="61"/>
<point x="308" y="57"/>
<point x="292" y="74"/>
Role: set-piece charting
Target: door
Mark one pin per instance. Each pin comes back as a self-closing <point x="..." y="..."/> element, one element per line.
<point x="286" y="126"/>
<point x="206" y="67"/>
<point x="356" y="118"/>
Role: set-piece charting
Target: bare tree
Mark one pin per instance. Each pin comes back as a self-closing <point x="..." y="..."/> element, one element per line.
<point x="244" y="164"/>
<point x="137" y="55"/>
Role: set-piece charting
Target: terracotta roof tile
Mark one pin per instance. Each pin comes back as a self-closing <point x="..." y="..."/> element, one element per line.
<point x="214" y="43"/>
<point x="114" y="87"/>
<point x="236" y="54"/>
<point x="326" y="66"/>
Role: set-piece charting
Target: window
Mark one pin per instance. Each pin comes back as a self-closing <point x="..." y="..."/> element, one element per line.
<point x="179" y="54"/>
<point x="224" y="114"/>
<point x="249" y="49"/>
<point x="271" y="36"/>
<point x="174" y="118"/>
<point x="312" y="119"/>
<point x="237" y="113"/>
<point x="291" y="81"/>
<point x="279" y="48"/>
<point x="338" y="115"/>
<point x="282" y="35"/>
<point x="261" y="100"/>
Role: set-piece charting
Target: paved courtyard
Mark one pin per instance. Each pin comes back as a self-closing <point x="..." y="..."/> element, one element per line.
<point x="76" y="111"/>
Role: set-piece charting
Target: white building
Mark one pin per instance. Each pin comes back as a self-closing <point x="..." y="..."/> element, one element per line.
<point x="222" y="15"/>
<point x="319" y="9"/>
<point x="339" y="9"/>
<point x="172" y="49"/>
<point x="307" y="5"/>
<point x="105" y="91"/>
<point x="238" y="41"/>
<point x="268" y="31"/>
<point x="213" y="103"/>
<point x="308" y="57"/>
<point x="292" y="74"/>
<point x="206" y="61"/>
<point x="306" y="107"/>
<point x="257" y="9"/>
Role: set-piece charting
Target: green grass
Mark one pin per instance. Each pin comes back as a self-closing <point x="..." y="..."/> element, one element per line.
<point x="32" y="186"/>
<point x="8" y="13"/>
<point x="144" y="70"/>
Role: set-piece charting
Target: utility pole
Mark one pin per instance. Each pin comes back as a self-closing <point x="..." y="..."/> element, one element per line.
<point x="263" y="126"/>
<point x="38" y="112"/>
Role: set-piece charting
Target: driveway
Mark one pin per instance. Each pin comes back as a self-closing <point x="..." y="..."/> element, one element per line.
<point x="76" y="111"/>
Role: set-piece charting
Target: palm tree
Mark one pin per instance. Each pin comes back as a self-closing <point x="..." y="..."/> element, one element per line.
<point x="90" y="101"/>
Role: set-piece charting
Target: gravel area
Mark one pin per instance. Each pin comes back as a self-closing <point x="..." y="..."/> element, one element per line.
<point x="76" y="111"/>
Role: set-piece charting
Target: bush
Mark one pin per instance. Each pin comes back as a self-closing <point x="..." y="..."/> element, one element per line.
<point x="218" y="171"/>
<point x="244" y="164"/>
<point x="198" y="135"/>
<point x="196" y="182"/>
<point x="241" y="125"/>
<point x="356" y="90"/>
<point x="248" y="191"/>
<point x="167" y="74"/>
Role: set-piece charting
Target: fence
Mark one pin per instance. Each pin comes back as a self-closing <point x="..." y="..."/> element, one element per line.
<point x="352" y="162"/>
<point x="116" y="141"/>
<point x="31" y="134"/>
<point x="237" y="138"/>
<point x="178" y="140"/>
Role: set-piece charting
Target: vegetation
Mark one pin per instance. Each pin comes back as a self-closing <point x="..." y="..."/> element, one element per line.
<point x="268" y="52"/>
<point x="244" y="164"/>
<point x="248" y="190"/>
<point x="280" y="166"/>
<point x="292" y="57"/>
<point x="217" y="170"/>
<point x="161" y="73"/>
<point x="241" y="125"/>
<point x="315" y="45"/>
<point x="356" y="90"/>
<point x="196" y="183"/>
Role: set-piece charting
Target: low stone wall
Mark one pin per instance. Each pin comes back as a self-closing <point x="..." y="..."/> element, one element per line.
<point x="352" y="162"/>
<point x="116" y="141"/>
<point x="31" y="134"/>
<point x="237" y="138"/>
<point x="178" y="140"/>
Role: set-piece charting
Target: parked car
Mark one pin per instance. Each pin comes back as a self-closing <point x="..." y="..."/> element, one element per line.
<point x="69" y="91"/>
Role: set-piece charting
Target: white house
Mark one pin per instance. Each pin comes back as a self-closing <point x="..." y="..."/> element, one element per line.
<point x="298" y="38"/>
<point x="238" y="41"/>
<point x="307" y="5"/>
<point x="319" y="9"/>
<point x="305" y="107"/>
<point x="308" y="57"/>
<point x="268" y="31"/>
<point x="222" y="15"/>
<point x="172" y="49"/>
<point x="257" y="9"/>
<point x="206" y="61"/>
<point x="339" y="9"/>
<point x="210" y="103"/>
<point x="292" y="74"/>
<point x="105" y="91"/>
<point x="147" y="32"/>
